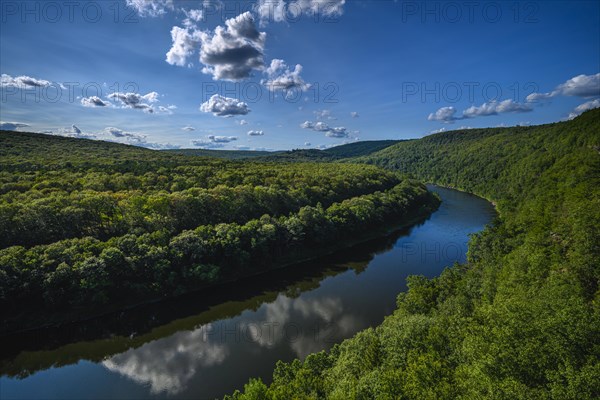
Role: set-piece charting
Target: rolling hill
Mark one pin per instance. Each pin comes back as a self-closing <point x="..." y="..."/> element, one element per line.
<point x="519" y="320"/>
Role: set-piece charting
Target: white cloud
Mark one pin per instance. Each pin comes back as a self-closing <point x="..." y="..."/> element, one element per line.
<point x="150" y="8"/>
<point x="589" y="105"/>
<point x="243" y="122"/>
<point x="495" y="108"/>
<point x="132" y="138"/>
<point x="533" y="97"/>
<point x="307" y="143"/>
<point x="23" y="82"/>
<point x="188" y="128"/>
<point x="337" y="132"/>
<point x="444" y="114"/>
<point x="443" y="129"/>
<point x="354" y="114"/>
<point x="193" y="17"/>
<point x="213" y="141"/>
<point x="94" y="101"/>
<point x="221" y="106"/>
<point x="12" y="126"/>
<point x="139" y="102"/>
<point x="280" y="77"/>
<point x="319" y="126"/>
<point x="74" y="132"/>
<point x="580" y="86"/>
<point x="256" y="133"/>
<point x="448" y="114"/>
<point x="185" y="42"/>
<point x="232" y="52"/>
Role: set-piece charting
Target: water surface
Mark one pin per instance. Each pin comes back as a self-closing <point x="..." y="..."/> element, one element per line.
<point x="208" y="344"/>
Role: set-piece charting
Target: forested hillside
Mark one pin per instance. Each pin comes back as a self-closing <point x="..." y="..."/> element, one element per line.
<point x="344" y="151"/>
<point x="224" y="154"/>
<point x="521" y="319"/>
<point x="95" y="225"/>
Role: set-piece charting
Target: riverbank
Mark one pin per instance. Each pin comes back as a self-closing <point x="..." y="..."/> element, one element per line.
<point x="421" y="206"/>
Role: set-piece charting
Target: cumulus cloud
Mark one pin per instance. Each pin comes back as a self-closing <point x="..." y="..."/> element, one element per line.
<point x="495" y="108"/>
<point x="213" y="141"/>
<point x="116" y="132"/>
<point x="233" y="51"/>
<point x="150" y="8"/>
<point x="354" y="114"/>
<point x="320" y="126"/>
<point x="280" y="77"/>
<point x="193" y="17"/>
<point x="221" y="106"/>
<point x="185" y="42"/>
<point x="579" y="86"/>
<point x="140" y="102"/>
<point x="582" y="86"/>
<point x="188" y="128"/>
<point x="533" y="97"/>
<point x="243" y="122"/>
<point x="12" y="126"/>
<point x="448" y="114"/>
<point x="256" y="133"/>
<point x="337" y="132"/>
<point x="129" y="137"/>
<point x="94" y="101"/>
<point x="307" y="143"/>
<point x="589" y="105"/>
<point x="74" y="132"/>
<point x="22" y="82"/>
<point x="444" y="114"/>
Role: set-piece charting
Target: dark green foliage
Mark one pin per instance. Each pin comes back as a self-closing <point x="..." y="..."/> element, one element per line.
<point x="224" y="154"/>
<point x="93" y="225"/>
<point x="55" y="188"/>
<point x="521" y="319"/>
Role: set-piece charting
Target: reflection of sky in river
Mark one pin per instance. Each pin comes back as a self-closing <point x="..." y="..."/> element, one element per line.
<point x="302" y="325"/>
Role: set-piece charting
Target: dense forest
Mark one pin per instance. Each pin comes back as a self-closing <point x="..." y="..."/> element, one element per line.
<point x="519" y="320"/>
<point x="90" y="225"/>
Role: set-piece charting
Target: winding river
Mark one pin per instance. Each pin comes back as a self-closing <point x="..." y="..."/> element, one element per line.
<point x="207" y="345"/>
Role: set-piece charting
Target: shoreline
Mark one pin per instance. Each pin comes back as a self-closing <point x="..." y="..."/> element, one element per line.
<point x="58" y="320"/>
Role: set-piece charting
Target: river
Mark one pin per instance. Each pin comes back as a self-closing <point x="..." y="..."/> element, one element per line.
<point x="208" y="344"/>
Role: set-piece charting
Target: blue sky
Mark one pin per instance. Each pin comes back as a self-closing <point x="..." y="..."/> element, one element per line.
<point x="283" y="74"/>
